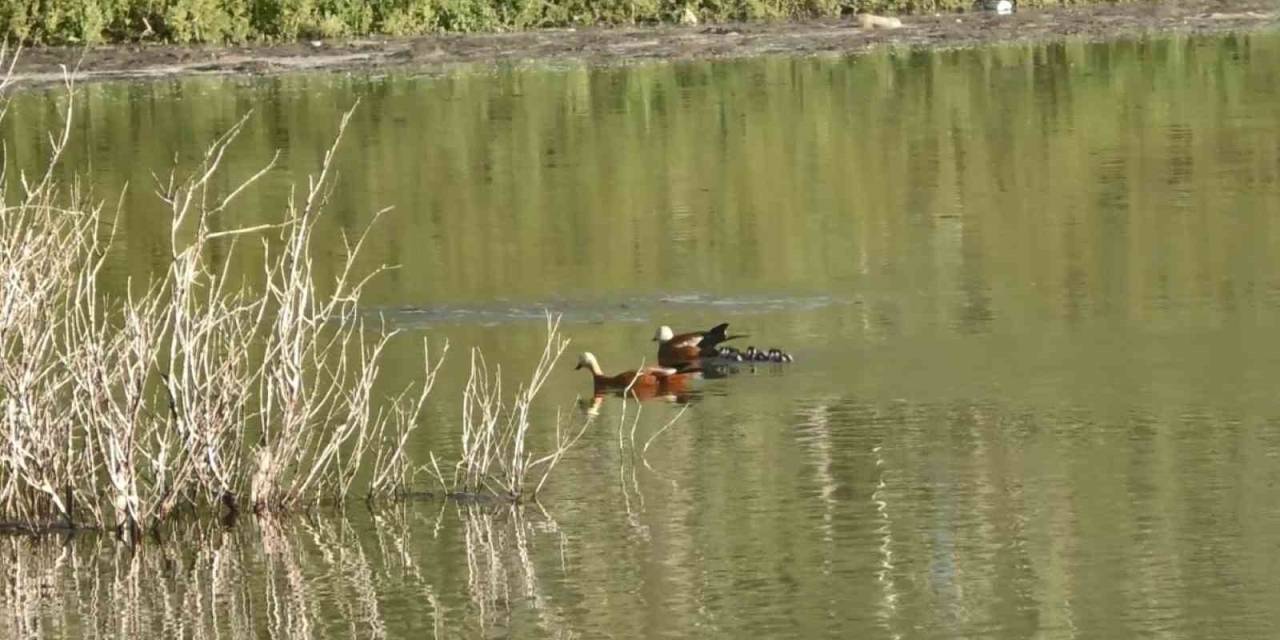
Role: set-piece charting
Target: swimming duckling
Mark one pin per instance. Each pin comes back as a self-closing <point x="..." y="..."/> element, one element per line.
<point x="729" y="354"/>
<point x="778" y="355"/>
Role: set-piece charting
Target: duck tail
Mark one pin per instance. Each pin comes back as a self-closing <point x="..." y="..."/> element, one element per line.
<point x="716" y="333"/>
<point x="712" y="348"/>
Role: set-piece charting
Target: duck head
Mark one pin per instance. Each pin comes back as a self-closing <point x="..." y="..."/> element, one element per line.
<point x="664" y="334"/>
<point x="588" y="361"/>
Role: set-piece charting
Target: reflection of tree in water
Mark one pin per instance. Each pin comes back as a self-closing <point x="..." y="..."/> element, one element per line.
<point x="293" y="578"/>
<point x="935" y="492"/>
<point x="499" y="559"/>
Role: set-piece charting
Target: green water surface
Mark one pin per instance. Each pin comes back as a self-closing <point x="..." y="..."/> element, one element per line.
<point x="1033" y="293"/>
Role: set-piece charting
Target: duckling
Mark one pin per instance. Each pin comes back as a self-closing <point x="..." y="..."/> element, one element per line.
<point x="778" y="355"/>
<point x="729" y="354"/>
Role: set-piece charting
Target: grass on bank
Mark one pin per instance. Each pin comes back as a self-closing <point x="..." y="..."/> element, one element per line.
<point x="46" y="22"/>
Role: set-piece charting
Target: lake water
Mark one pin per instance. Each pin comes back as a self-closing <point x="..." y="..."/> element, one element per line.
<point x="1033" y="293"/>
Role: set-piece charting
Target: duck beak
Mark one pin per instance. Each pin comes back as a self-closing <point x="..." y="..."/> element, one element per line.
<point x="578" y="367"/>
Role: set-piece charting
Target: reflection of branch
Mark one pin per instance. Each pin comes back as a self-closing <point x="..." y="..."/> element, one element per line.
<point x="889" y="605"/>
<point x="288" y="612"/>
<point x="486" y="575"/>
<point x="628" y="452"/>
<point x="653" y="437"/>
<point x="286" y="578"/>
<point x="392" y="528"/>
<point x="818" y="425"/>
<point x="21" y="602"/>
<point x="496" y="539"/>
<point x="522" y="549"/>
<point x="633" y="519"/>
<point x="354" y="564"/>
<point x="541" y="605"/>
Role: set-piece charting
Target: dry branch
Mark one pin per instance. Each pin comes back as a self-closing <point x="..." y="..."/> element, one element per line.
<point x="196" y="391"/>
<point x="495" y="456"/>
<point x="192" y="390"/>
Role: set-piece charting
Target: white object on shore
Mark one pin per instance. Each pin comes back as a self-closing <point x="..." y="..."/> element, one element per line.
<point x="1004" y="7"/>
<point x="688" y="17"/>
<point x="872" y="21"/>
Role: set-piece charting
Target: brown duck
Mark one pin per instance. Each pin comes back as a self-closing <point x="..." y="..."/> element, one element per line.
<point x="688" y="349"/>
<point x="648" y="381"/>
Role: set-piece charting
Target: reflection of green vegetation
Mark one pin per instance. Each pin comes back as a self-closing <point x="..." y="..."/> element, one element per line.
<point x="1048" y="179"/>
<point x="62" y="21"/>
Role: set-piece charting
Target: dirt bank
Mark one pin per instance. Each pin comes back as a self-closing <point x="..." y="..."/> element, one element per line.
<point x="667" y="42"/>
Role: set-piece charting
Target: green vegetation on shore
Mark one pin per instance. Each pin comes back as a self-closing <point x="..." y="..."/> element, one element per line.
<point x="46" y="22"/>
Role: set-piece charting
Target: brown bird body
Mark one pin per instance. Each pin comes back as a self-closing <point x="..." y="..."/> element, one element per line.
<point x="688" y="349"/>
<point x="648" y="381"/>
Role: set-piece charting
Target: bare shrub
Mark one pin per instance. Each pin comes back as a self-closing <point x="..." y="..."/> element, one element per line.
<point x="192" y="390"/>
<point x="198" y="391"/>
<point x="495" y="457"/>
<point x="50" y="252"/>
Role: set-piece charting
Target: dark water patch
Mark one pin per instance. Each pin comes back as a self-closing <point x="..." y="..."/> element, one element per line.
<point x="630" y="310"/>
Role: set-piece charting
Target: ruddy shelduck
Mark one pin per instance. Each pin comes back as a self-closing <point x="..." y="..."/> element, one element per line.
<point x="687" y="349"/>
<point x="648" y="381"/>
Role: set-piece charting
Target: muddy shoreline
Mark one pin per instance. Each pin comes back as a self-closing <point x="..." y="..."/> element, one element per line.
<point x="621" y="45"/>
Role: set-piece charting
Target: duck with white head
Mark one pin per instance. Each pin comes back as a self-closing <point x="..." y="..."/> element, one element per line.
<point x="644" y="382"/>
<point x="688" y="349"/>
